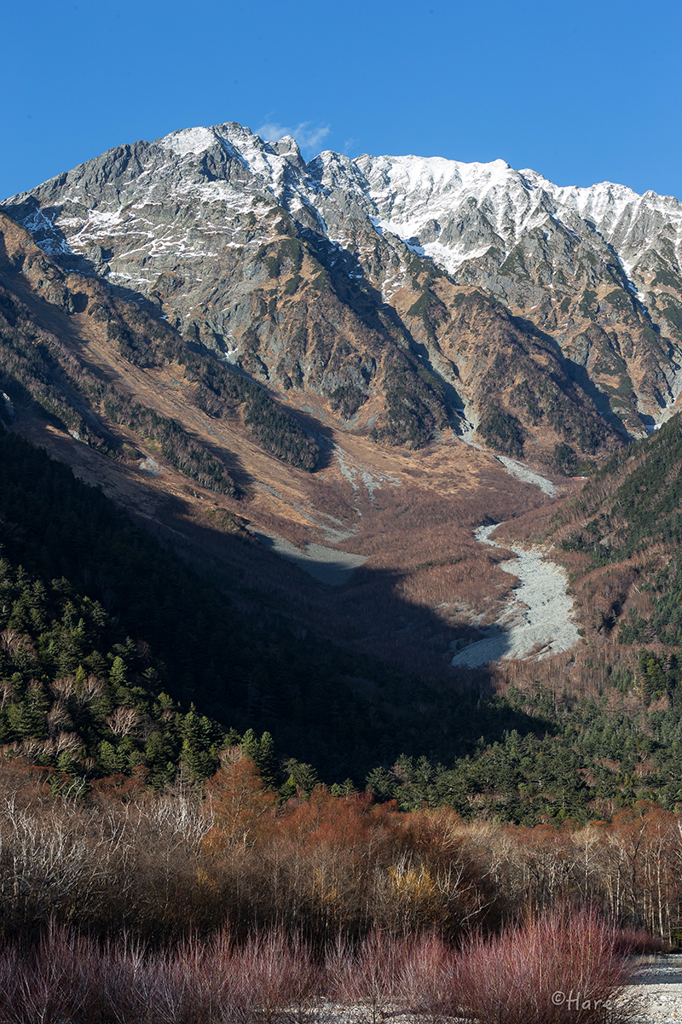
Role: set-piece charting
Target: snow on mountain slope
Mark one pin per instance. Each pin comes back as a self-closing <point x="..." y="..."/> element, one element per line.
<point x="186" y="222"/>
<point x="456" y="210"/>
<point x="448" y="210"/>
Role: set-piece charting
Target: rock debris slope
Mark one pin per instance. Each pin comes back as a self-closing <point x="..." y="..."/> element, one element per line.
<point x="402" y="295"/>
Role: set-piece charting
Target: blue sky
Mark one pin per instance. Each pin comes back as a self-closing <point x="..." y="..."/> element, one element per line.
<point x="581" y="91"/>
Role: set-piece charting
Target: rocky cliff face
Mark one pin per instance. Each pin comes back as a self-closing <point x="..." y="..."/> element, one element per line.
<point x="396" y="295"/>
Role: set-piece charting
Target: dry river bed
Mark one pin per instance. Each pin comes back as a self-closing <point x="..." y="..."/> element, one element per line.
<point x="538" y="617"/>
<point x="658" y="989"/>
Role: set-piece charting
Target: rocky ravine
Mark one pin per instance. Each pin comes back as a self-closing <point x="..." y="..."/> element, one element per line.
<point x="408" y="294"/>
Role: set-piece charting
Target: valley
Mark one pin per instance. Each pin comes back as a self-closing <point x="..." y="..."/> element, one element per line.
<point x="340" y="514"/>
<point x="322" y="386"/>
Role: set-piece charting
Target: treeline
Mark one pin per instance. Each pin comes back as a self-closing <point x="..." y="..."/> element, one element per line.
<point x="115" y="658"/>
<point x="586" y="757"/>
<point x="94" y="605"/>
<point x="634" y="500"/>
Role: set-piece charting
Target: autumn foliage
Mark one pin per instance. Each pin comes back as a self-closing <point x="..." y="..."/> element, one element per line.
<point x="166" y="865"/>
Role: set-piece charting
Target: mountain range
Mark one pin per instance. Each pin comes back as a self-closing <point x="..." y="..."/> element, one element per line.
<point x="397" y="296"/>
<point x="312" y="382"/>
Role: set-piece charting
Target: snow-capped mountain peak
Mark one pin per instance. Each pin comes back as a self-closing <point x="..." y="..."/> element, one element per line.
<point x="188" y="220"/>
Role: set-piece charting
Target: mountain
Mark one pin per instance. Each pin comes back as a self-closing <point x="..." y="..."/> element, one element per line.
<point x="333" y="362"/>
<point x="623" y="535"/>
<point x="378" y="540"/>
<point x="393" y="296"/>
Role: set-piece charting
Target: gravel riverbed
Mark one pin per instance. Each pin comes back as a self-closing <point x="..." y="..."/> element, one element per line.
<point x="538" y="617"/>
<point x="658" y="988"/>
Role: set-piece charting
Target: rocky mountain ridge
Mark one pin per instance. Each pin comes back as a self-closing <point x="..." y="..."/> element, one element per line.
<point x="402" y="296"/>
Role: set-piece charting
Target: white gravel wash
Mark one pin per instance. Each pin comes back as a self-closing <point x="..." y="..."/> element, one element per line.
<point x="658" y="989"/>
<point x="325" y="564"/>
<point x="522" y="472"/>
<point x="538" y="617"/>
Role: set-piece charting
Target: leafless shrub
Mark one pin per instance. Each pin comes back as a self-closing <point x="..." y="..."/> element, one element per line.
<point x="366" y="977"/>
<point x="48" y="983"/>
<point x="423" y="978"/>
<point x="277" y="978"/>
<point x="562" y="967"/>
<point x="58" y="861"/>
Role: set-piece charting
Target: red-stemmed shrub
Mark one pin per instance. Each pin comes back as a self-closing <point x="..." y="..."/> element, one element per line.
<point x="275" y="979"/>
<point x="563" y="967"/>
<point x="638" y="941"/>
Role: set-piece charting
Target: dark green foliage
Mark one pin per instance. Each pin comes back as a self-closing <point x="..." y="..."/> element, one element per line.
<point x="565" y="459"/>
<point x="291" y="287"/>
<point x="87" y="595"/>
<point x="666" y="280"/>
<point x="514" y="264"/>
<point x="587" y="302"/>
<point x="279" y="433"/>
<point x="272" y="263"/>
<point x="621" y="300"/>
<point x="665" y="623"/>
<point x="30" y="373"/>
<point x="40" y="371"/>
<point x="96" y="594"/>
<point x="643" y="510"/>
<point x="673" y="314"/>
<point x="221" y="389"/>
<point x="189" y="456"/>
<point x="431" y="381"/>
<point x="502" y="431"/>
<point x="415" y="406"/>
<point x="645" y="506"/>
<point x="539" y="774"/>
<point x="322" y="282"/>
<point x="37" y="369"/>
<point x="290" y="251"/>
<point x="430" y="310"/>
<point x="107" y="639"/>
<point x="347" y="399"/>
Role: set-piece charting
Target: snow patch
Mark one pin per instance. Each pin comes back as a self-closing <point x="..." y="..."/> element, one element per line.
<point x="189" y="140"/>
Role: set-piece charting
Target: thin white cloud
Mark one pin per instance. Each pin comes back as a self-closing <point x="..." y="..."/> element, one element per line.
<point x="308" y="136"/>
